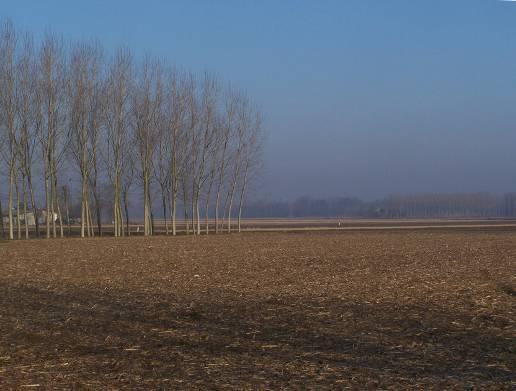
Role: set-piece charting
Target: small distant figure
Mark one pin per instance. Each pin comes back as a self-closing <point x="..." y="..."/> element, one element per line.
<point x="339" y="224"/>
<point x="137" y="228"/>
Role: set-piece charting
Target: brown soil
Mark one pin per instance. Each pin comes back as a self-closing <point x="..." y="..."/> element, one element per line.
<point x="427" y="309"/>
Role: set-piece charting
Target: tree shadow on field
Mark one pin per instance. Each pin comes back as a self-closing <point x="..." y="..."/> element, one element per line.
<point x="96" y="337"/>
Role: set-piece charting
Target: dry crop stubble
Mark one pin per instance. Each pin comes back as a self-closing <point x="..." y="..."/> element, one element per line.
<point x="321" y="309"/>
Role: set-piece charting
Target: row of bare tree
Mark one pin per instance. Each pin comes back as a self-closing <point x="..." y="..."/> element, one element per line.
<point x="141" y="126"/>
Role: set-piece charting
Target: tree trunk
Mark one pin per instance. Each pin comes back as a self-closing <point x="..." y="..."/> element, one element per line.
<point x="122" y="229"/>
<point x="147" y="223"/>
<point x="126" y="207"/>
<point x="208" y="205"/>
<point x="242" y="194"/>
<point x="219" y="186"/>
<point x="53" y="203"/>
<point x="115" y="218"/>
<point x="83" y="208"/>
<point x="173" y="207"/>
<point x="192" y="209"/>
<point x="117" y="207"/>
<point x="98" y="211"/>
<point x="25" y="202"/>
<point x="67" y="207"/>
<point x="198" y="215"/>
<point x="11" y="202"/>
<point x="87" y="215"/>
<point x="18" y="222"/>
<point x="33" y="204"/>
<point x="231" y="196"/>
<point x="164" y="205"/>
<point x="1" y="220"/>
<point x="230" y="206"/>
<point x="59" y="215"/>
<point x="47" y="196"/>
<point x="185" y="210"/>
<point x="207" y="217"/>
<point x="217" y="200"/>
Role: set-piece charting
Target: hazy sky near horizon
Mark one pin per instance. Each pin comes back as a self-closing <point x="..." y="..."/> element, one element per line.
<point x="360" y="97"/>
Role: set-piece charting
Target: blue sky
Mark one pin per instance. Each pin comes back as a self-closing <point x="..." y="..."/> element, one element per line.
<point x="361" y="97"/>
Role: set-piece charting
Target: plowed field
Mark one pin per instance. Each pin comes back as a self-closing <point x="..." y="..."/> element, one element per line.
<point x="421" y="309"/>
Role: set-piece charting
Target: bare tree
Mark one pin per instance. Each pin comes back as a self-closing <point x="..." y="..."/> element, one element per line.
<point x="185" y="193"/>
<point x="80" y="96"/>
<point x="226" y="131"/>
<point x="86" y="109"/>
<point x="27" y="115"/>
<point x="210" y="180"/>
<point x="115" y="122"/>
<point x="127" y="180"/>
<point x="117" y="115"/>
<point x="192" y="146"/>
<point x="208" y="102"/>
<point x="146" y="107"/>
<point x="216" y="154"/>
<point x="8" y="43"/>
<point x="177" y="137"/>
<point x="52" y="84"/>
<point x="251" y="158"/>
<point x="162" y="162"/>
<point x="96" y="109"/>
<point x="237" y="159"/>
<point x="66" y="200"/>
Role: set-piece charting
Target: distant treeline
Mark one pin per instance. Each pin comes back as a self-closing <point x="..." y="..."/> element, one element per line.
<point x="394" y="206"/>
